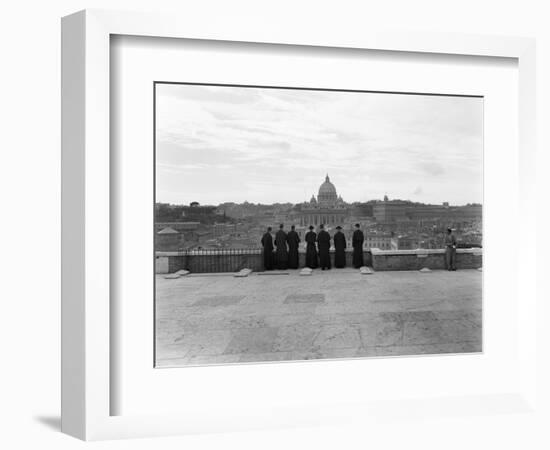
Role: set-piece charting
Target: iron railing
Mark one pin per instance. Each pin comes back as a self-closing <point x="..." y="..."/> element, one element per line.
<point x="220" y="251"/>
<point x="220" y="260"/>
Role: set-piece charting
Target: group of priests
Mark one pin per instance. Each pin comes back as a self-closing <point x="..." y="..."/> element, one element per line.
<point x="282" y="252"/>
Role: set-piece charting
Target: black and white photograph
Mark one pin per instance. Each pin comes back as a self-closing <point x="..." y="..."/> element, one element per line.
<point x="302" y="225"/>
<point x="295" y="224"/>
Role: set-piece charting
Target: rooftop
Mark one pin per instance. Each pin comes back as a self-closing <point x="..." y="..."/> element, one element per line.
<point x="276" y="316"/>
<point x="168" y="230"/>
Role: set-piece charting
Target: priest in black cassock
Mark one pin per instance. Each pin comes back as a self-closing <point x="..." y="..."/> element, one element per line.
<point x="357" y="243"/>
<point x="311" y="249"/>
<point x="267" y="244"/>
<point x="323" y="241"/>
<point x="339" y="248"/>
<point x="281" y="250"/>
<point x="293" y="241"/>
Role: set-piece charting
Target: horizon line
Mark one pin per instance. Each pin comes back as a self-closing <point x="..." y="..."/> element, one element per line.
<point x="307" y="202"/>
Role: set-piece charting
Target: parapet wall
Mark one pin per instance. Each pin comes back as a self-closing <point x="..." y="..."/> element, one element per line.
<point x="212" y="261"/>
<point x="466" y="258"/>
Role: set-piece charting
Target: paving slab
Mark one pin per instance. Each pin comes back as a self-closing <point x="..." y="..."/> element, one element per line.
<point x="219" y="300"/>
<point x="252" y="340"/>
<point x="297" y="337"/>
<point x="337" y="336"/>
<point x="305" y="298"/>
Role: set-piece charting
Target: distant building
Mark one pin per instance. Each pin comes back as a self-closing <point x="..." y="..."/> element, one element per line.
<point x="428" y="212"/>
<point x="396" y="211"/>
<point x="168" y="240"/>
<point x="220" y="229"/>
<point x="328" y="208"/>
<point x="388" y="211"/>
<point x="178" y="226"/>
<point x="382" y="241"/>
<point x="363" y="210"/>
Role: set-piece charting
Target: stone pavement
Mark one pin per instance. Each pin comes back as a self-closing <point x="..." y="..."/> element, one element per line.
<point x="217" y="318"/>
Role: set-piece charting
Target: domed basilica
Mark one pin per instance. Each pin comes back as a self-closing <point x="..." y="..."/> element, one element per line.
<point x="328" y="208"/>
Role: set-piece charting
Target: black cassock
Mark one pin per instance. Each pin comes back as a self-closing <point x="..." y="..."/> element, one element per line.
<point x="293" y="240"/>
<point x="323" y="241"/>
<point x="267" y="243"/>
<point x="339" y="250"/>
<point x="357" y="242"/>
<point x="311" y="250"/>
<point x="281" y="251"/>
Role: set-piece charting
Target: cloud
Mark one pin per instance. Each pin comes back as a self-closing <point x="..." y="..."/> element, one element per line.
<point x="369" y="144"/>
<point x="432" y="168"/>
<point x="269" y="143"/>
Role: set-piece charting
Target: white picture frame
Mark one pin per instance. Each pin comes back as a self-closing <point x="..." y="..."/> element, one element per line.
<point x="86" y="216"/>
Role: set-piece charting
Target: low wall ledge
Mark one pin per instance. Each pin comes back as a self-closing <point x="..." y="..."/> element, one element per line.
<point x="423" y="251"/>
<point x="374" y="251"/>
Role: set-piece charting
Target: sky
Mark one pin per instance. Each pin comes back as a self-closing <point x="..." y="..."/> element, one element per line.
<point x="218" y="144"/>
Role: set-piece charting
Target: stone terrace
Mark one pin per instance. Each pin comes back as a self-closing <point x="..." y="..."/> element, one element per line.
<point x="217" y="318"/>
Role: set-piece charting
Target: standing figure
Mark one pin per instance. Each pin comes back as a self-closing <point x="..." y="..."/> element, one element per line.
<point x="323" y="241"/>
<point x="357" y="243"/>
<point x="267" y="244"/>
<point x="311" y="250"/>
<point x="339" y="248"/>
<point x="450" y="250"/>
<point x="293" y="242"/>
<point x="281" y="251"/>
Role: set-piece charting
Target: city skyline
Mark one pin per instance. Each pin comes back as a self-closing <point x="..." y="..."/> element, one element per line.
<point x="298" y="203"/>
<point x="227" y="144"/>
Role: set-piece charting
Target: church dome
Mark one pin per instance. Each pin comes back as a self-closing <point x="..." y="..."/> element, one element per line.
<point x="327" y="192"/>
<point x="327" y="187"/>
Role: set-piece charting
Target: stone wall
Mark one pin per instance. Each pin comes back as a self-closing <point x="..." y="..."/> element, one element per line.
<point x="232" y="261"/>
<point x="420" y="258"/>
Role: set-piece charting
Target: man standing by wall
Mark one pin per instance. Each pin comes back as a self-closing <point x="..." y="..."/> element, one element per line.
<point x="293" y="242"/>
<point x="282" y="252"/>
<point x="357" y="243"/>
<point x="450" y="250"/>
<point x="267" y="244"/>
<point x="323" y="241"/>
<point x="339" y="248"/>
<point x="311" y="251"/>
